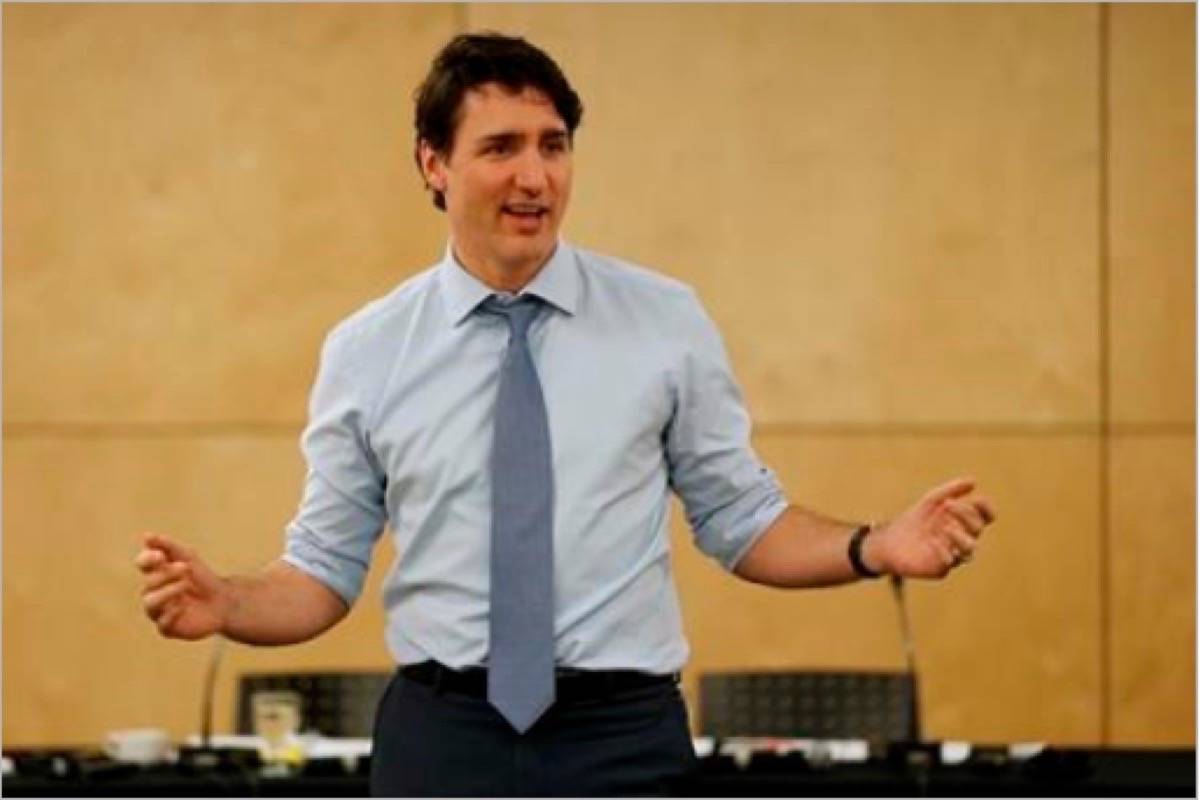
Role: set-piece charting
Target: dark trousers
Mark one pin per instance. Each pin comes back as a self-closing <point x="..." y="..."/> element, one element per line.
<point x="431" y="742"/>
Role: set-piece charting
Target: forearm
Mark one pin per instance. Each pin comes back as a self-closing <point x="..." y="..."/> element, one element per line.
<point x="802" y="549"/>
<point x="279" y="605"/>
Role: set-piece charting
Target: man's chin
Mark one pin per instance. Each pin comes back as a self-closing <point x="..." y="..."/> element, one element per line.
<point x="525" y="249"/>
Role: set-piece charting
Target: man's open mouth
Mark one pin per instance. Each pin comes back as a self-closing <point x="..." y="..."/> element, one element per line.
<point x="525" y="211"/>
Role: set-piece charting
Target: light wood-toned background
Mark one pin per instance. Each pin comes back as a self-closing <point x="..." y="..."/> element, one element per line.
<point x="938" y="239"/>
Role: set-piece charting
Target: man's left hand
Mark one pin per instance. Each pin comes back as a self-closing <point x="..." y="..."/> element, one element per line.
<point x="933" y="537"/>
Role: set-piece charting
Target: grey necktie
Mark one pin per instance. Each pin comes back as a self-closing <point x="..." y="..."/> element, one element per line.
<point x="521" y="620"/>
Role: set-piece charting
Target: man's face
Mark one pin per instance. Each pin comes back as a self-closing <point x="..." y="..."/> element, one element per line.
<point x="506" y="179"/>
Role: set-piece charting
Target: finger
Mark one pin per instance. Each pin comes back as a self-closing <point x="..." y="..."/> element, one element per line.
<point x="950" y="530"/>
<point x="174" y="550"/>
<point x="168" y="618"/>
<point x="955" y="488"/>
<point x="155" y="602"/>
<point x="949" y="562"/>
<point x="966" y="514"/>
<point x="148" y="560"/>
<point x="161" y="577"/>
<point x="985" y="510"/>
<point x="944" y="553"/>
<point x="961" y="544"/>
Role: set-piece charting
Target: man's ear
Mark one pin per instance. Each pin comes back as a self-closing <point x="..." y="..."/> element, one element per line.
<point x="433" y="166"/>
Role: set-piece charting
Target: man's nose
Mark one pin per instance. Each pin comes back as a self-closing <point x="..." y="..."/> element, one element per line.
<point x="531" y="173"/>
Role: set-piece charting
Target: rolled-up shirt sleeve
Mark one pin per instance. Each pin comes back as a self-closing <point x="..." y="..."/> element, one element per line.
<point x="729" y="496"/>
<point x="342" y="511"/>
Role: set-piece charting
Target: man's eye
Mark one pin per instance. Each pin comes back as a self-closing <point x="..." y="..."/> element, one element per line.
<point x="556" y="146"/>
<point x="496" y="148"/>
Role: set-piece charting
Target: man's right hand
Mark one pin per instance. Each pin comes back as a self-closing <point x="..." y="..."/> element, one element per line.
<point x="180" y="594"/>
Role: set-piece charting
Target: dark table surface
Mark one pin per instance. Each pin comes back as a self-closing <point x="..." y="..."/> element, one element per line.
<point x="1054" y="772"/>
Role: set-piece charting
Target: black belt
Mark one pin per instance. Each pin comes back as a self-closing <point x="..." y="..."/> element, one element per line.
<point x="570" y="684"/>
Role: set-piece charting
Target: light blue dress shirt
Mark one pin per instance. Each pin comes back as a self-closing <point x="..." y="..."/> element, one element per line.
<point x="641" y="401"/>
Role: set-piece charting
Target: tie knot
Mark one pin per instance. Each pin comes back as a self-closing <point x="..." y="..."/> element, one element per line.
<point x="519" y="312"/>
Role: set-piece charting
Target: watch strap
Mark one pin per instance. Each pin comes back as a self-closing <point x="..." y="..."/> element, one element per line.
<point x="855" y="552"/>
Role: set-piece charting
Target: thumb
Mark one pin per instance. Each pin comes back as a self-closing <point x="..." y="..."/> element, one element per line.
<point x="953" y="488"/>
<point x="173" y="550"/>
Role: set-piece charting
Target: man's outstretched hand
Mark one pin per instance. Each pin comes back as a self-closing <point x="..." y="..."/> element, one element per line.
<point x="180" y="594"/>
<point x="936" y="535"/>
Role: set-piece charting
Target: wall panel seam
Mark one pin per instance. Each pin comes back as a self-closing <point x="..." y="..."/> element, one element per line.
<point x="1104" y="45"/>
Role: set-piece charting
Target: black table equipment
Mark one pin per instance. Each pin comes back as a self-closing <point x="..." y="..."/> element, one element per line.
<point x="900" y="771"/>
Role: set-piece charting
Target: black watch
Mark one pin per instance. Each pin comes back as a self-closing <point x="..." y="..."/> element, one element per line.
<point x="856" y="559"/>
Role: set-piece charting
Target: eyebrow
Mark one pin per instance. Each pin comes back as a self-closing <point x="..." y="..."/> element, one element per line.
<point x="502" y="137"/>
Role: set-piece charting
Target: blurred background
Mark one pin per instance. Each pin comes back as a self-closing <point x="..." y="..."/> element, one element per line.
<point x="939" y="239"/>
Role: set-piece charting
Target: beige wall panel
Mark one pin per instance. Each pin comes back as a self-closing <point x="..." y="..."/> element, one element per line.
<point x="894" y="203"/>
<point x="1008" y="647"/>
<point x="195" y="193"/>
<point x="1152" y="167"/>
<point x="79" y="657"/>
<point x="1154" y="590"/>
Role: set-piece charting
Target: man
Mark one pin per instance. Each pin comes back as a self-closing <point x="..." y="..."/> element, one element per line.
<point x="519" y="414"/>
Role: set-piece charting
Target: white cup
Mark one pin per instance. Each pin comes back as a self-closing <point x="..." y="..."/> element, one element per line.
<point x="137" y="745"/>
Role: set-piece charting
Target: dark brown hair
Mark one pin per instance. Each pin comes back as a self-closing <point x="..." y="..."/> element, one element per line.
<point x="471" y="60"/>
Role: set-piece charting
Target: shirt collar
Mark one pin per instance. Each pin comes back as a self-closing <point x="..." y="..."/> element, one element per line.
<point x="557" y="282"/>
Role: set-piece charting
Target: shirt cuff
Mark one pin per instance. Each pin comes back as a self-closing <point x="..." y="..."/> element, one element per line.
<point x="343" y="577"/>
<point x="759" y="523"/>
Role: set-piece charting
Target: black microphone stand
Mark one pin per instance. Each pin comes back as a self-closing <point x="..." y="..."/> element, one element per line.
<point x="914" y="734"/>
<point x="205" y="757"/>
<point x="914" y="754"/>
